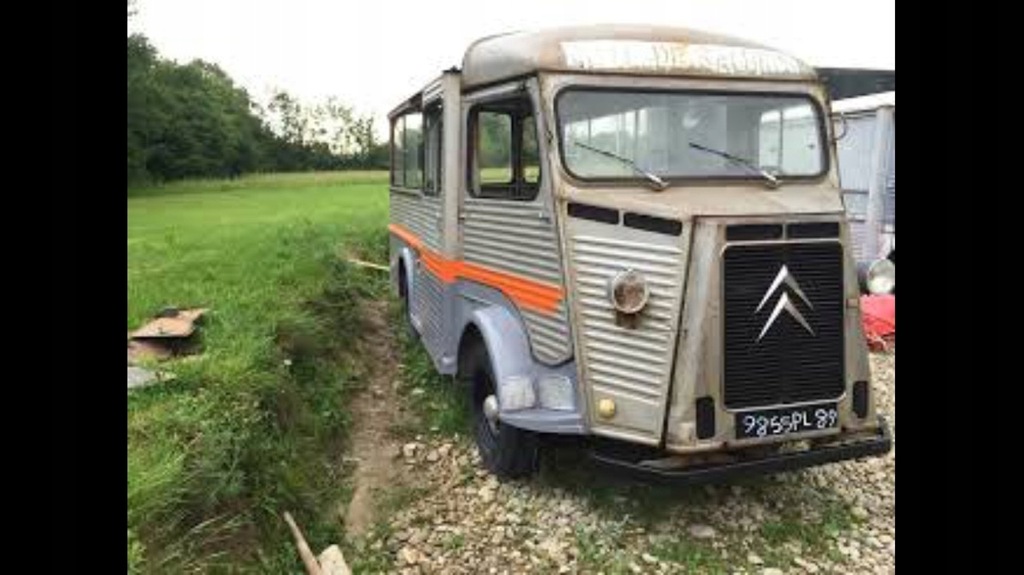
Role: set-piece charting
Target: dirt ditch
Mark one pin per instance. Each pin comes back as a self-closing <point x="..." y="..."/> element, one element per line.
<point x="375" y="412"/>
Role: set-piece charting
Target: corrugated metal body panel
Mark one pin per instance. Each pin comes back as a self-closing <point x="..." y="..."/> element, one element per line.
<point x="419" y="214"/>
<point x="427" y="301"/>
<point x="519" y="238"/>
<point x="549" y="336"/>
<point x="630" y="366"/>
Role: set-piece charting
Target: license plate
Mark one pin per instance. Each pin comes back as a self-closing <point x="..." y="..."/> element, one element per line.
<point x="771" y="422"/>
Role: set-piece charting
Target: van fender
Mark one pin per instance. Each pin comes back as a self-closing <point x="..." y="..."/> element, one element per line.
<point x="505" y="338"/>
<point x="407" y="257"/>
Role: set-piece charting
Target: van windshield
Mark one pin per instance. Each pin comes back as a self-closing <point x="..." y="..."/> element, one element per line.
<point x="624" y="134"/>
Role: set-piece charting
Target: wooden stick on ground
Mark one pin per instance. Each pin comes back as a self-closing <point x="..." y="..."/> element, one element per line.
<point x="308" y="559"/>
<point x="370" y="265"/>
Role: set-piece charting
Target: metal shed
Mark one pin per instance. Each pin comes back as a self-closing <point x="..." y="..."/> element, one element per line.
<point x="867" y="172"/>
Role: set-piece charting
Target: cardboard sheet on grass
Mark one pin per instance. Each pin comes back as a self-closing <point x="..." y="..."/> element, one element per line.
<point x="171" y="333"/>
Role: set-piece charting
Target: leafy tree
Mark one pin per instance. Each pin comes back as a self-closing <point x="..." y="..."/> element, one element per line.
<point x="191" y="120"/>
<point x="143" y="109"/>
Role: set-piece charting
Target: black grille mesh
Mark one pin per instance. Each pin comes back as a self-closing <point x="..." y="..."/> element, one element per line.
<point x="788" y="364"/>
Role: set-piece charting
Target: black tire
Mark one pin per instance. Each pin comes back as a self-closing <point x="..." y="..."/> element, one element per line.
<point x="403" y="294"/>
<point x="506" y="451"/>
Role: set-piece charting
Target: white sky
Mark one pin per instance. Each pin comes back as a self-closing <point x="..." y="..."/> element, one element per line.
<point x="372" y="54"/>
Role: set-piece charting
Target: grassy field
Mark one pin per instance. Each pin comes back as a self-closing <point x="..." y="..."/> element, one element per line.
<point x="255" y="424"/>
<point x="216" y="455"/>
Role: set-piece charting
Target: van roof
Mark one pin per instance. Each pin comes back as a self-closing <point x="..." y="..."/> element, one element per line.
<point x="625" y="49"/>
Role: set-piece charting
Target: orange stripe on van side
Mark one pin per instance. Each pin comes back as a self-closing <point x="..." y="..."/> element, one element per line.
<point x="406" y="236"/>
<point x="525" y="292"/>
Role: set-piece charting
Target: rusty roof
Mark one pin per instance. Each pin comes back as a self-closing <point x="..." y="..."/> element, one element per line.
<point x="626" y="49"/>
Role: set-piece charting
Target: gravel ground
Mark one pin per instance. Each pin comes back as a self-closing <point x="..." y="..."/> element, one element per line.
<point x="450" y="516"/>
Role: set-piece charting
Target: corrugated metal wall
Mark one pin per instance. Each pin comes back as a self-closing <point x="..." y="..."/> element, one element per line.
<point x="855" y="157"/>
<point x="855" y="150"/>
<point x="890" y="185"/>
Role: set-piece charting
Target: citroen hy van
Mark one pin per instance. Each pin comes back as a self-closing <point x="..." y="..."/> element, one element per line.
<point x="634" y="235"/>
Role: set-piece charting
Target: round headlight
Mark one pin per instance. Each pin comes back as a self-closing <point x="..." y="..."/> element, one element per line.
<point x="879" y="277"/>
<point x="629" y="292"/>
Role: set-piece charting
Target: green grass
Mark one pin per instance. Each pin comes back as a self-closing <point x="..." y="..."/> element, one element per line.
<point x="693" y="556"/>
<point x="440" y="402"/>
<point x="241" y="435"/>
<point x="813" y="534"/>
<point x="503" y="175"/>
<point x="376" y="558"/>
<point x="274" y="182"/>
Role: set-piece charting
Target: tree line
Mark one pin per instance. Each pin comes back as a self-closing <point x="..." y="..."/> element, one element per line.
<point x="191" y="120"/>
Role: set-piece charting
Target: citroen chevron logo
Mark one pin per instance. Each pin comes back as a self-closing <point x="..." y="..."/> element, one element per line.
<point x="784" y="303"/>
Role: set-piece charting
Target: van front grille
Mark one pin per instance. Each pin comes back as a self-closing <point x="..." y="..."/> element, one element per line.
<point x="780" y="361"/>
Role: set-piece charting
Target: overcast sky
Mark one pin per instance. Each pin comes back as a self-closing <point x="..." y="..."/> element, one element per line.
<point x="372" y="54"/>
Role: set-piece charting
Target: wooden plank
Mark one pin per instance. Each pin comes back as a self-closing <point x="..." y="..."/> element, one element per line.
<point x="312" y="567"/>
<point x="370" y="265"/>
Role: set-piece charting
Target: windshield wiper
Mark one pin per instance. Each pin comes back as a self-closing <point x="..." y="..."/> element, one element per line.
<point x="768" y="176"/>
<point x="659" y="184"/>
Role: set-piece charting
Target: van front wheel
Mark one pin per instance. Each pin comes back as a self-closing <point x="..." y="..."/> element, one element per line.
<point x="506" y="451"/>
<point x="403" y="295"/>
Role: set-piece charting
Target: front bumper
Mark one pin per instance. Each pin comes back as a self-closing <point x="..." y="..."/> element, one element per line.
<point x="879" y="444"/>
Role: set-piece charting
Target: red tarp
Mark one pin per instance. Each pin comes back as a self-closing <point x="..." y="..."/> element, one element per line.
<point x="879" y="316"/>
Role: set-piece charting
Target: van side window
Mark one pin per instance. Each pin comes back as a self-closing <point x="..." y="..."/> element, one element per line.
<point x="432" y="154"/>
<point x="504" y="160"/>
<point x="531" y="152"/>
<point x="494" y="149"/>
<point x="407" y="151"/>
